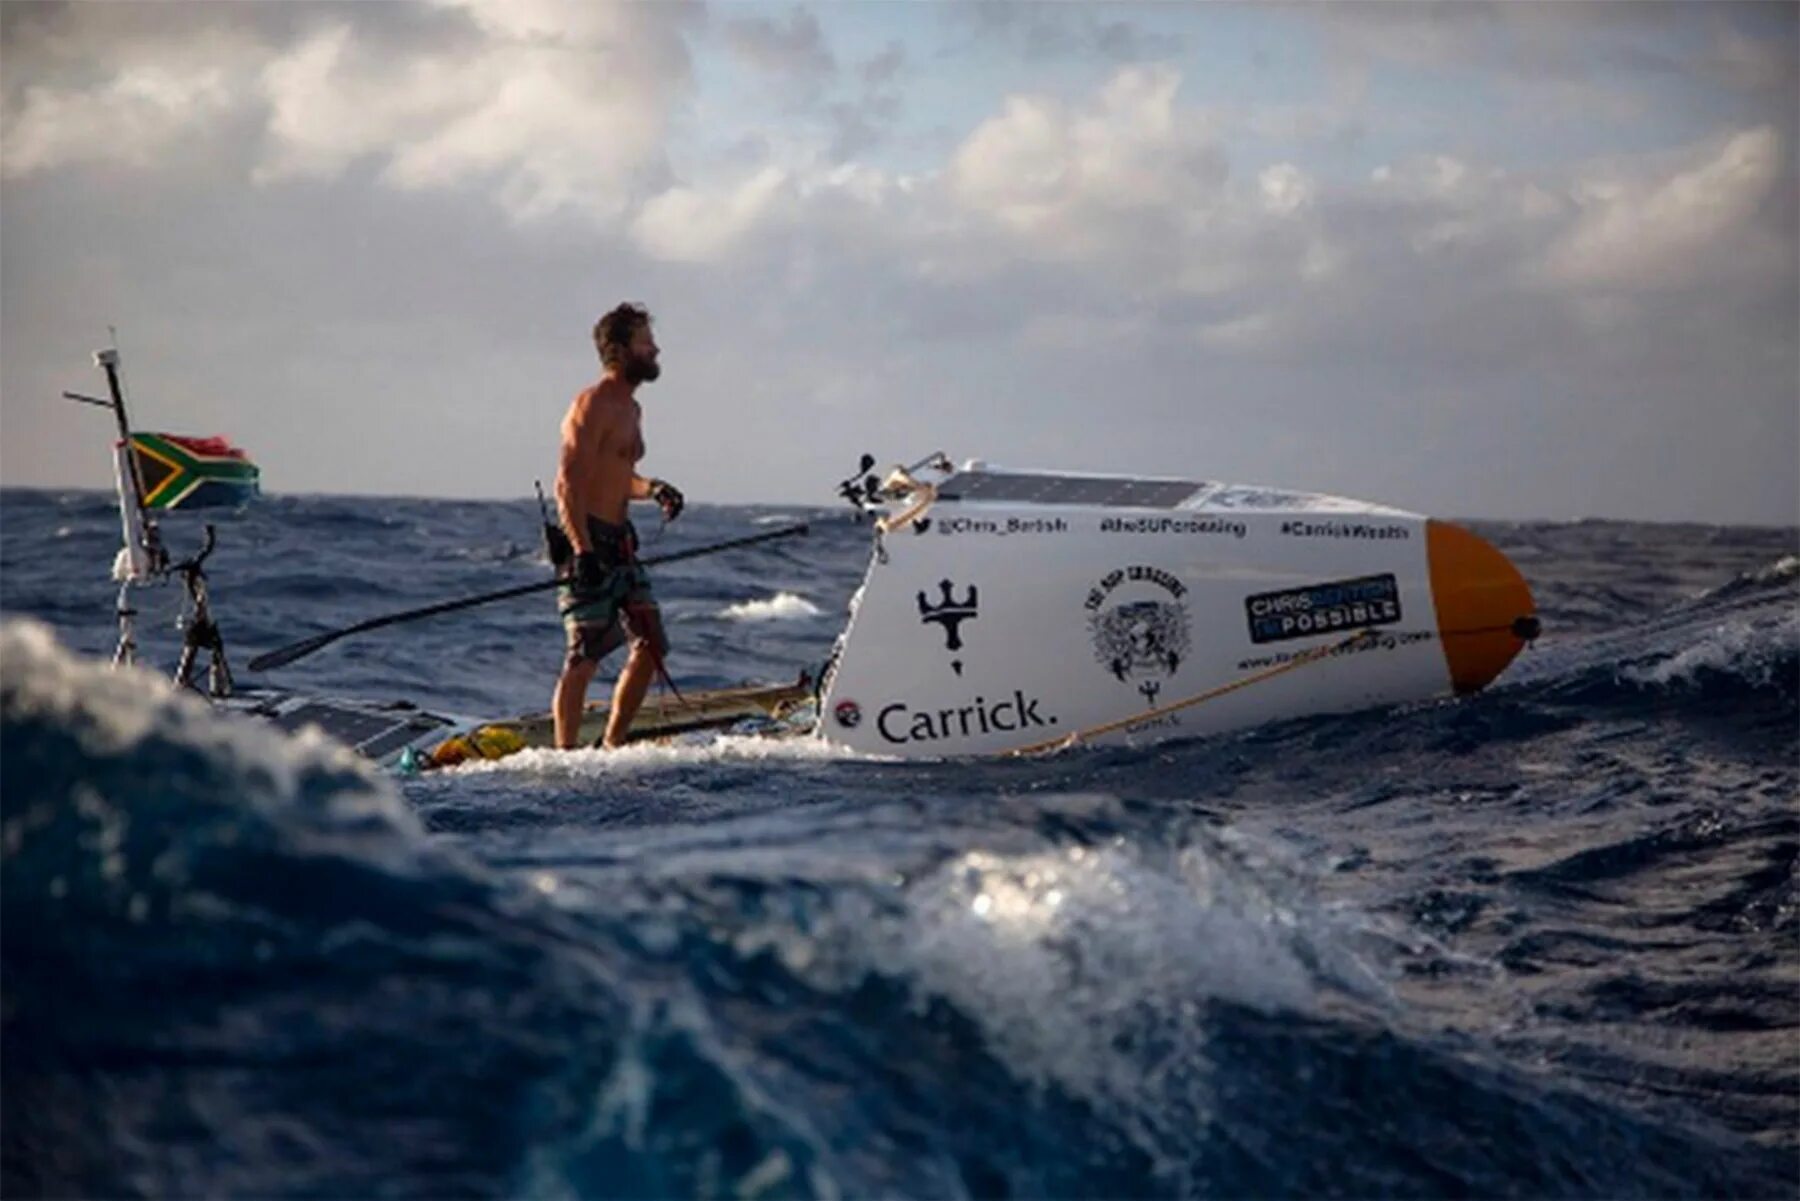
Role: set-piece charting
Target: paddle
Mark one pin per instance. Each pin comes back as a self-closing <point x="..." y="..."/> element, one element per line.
<point x="306" y="646"/>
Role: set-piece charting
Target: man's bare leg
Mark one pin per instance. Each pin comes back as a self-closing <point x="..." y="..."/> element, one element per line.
<point x="628" y="693"/>
<point x="565" y="705"/>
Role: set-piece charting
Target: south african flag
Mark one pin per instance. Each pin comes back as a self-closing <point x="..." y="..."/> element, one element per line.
<point x="193" y="472"/>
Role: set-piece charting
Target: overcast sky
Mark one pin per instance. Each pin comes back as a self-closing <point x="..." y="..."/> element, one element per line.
<point x="1528" y="260"/>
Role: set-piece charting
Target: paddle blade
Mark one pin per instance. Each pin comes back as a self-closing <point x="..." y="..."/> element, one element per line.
<point x="282" y="656"/>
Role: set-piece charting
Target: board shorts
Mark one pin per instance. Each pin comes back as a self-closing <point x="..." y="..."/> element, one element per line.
<point x="599" y="621"/>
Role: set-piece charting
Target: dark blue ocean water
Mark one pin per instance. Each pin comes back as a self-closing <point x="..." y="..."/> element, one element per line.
<point x="1543" y="942"/>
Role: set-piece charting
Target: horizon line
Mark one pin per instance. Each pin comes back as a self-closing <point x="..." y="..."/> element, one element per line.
<point x="828" y="507"/>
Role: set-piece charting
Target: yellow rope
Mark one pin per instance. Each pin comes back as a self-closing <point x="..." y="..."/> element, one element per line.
<point x="1065" y="741"/>
<point x="887" y="525"/>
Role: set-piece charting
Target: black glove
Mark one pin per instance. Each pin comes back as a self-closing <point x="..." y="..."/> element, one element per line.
<point x="557" y="546"/>
<point x="588" y="574"/>
<point x="668" y="498"/>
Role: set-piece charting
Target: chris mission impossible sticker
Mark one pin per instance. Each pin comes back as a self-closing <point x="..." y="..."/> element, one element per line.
<point x="1347" y="605"/>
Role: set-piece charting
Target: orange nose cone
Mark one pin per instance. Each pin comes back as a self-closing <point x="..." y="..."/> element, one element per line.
<point x="1484" y="610"/>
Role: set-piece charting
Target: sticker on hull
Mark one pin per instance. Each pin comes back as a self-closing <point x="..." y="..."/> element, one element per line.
<point x="1138" y="623"/>
<point x="1339" y="605"/>
<point x="950" y="613"/>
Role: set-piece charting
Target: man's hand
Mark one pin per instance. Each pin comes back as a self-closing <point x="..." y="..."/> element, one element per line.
<point x="668" y="498"/>
<point x="588" y="575"/>
<point x="558" y="547"/>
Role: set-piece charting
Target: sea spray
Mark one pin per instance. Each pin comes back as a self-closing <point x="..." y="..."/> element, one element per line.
<point x="783" y="606"/>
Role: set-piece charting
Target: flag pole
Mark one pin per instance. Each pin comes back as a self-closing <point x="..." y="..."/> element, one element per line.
<point x="143" y="557"/>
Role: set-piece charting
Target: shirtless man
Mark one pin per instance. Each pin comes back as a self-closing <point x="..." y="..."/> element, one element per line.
<point x="605" y="597"/>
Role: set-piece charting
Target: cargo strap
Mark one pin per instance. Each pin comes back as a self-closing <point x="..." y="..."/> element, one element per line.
<point x="1065" y="741"/>
<point x="927" y="496"/>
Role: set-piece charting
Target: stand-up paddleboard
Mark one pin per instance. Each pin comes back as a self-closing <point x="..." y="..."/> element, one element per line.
<point x="662" y="716"/>
<point x="1009" y="611"/>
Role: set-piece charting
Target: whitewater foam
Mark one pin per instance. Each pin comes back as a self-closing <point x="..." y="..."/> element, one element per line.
<point x="1033" y="946"/>
<point x="783" y="606"/>
<point x="1781" y="571"/>
<point x="1761" y="653"/>
<point x="113" y="714"/>
<point x="646" y="757"/>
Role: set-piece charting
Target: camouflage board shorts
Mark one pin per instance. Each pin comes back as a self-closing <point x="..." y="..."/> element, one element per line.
<point x="600" y="620"/>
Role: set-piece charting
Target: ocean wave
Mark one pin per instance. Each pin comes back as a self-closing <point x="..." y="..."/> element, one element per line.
<point x="1784" y="570"/>
<point x="783" y="606"/>
<point x="1071" y="973"/>
<point x="732" y="966"/>
<point x="99" y="712"/>
<point x="509" y="551"/>
<point x="235" y="967"/>
<point x="1033" y="947"/>
<point x="1697" y="658"/>
<point x="233" y="964"/>
<point x="1083" y="1007"/>
<point x="1762" y="655"/>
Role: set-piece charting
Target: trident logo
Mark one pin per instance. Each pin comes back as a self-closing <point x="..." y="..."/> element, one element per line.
<point x="950" y="613"/>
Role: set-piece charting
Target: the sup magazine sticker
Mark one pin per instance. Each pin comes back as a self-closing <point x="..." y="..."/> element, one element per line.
<point x="1138" y="622"/>
<point x="1347" y="605"/>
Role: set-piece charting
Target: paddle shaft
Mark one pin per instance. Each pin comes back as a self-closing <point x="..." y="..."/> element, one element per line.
<point x="297" y="650"/>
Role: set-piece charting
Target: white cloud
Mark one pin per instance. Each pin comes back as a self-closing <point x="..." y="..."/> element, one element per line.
<point x="1239" y="333"/>
<point x="134" y="118"/>
<point x="1092" y="242"/>
<point x="330" y="105"/>
<point x="1042" y="167"/>
<point x="1100" y="182"/>
<point x="1016" y="166"/>
<point x="555" y="107"/>
<point x="1285" y="188"/>
<point x="1648" y="230"/>
<point x="1127" y="196"/>
<point x="547" y="106"/>
<point x="685" y="224"/>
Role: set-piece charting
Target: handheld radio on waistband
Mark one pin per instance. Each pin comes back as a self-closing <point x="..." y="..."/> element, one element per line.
<point x="556" y="542"/>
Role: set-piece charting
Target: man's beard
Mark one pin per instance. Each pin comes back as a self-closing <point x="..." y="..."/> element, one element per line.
<point x="642" y="371"/>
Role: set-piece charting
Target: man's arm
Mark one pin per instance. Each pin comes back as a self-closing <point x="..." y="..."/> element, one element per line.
<point x="583" y="431"/>
<point x="667" y="496"/>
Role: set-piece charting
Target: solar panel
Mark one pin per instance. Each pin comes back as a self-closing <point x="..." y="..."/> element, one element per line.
<point x="374" y="734"/>
<point x="1104" y="492"/>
